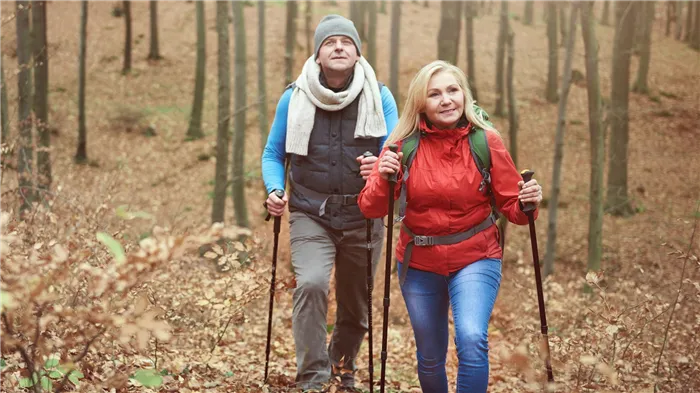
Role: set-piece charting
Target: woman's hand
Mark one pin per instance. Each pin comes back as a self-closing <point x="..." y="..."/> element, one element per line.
<point x="530" y="192"/>
<point x="389" y="164"/>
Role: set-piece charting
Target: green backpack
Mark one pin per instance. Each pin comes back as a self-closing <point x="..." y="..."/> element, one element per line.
<point x="479" y="146"/>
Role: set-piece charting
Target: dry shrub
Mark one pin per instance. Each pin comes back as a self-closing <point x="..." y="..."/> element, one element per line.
<point x="74" y="298"/>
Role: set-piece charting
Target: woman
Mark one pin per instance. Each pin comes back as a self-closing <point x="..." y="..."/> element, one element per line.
<point x="445" y="197"/>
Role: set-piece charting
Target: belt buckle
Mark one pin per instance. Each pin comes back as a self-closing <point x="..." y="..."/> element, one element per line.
<point x="421" y="241"/>
<point x="347" y="200"/>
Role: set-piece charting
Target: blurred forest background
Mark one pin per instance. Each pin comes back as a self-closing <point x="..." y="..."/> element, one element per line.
<point x="128" y="128"/>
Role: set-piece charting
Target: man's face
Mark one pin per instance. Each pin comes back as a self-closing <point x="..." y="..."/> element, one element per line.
<point x="337" y="53"/>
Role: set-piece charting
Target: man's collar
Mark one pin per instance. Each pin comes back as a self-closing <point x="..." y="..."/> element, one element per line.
<point x="324" y="83"/>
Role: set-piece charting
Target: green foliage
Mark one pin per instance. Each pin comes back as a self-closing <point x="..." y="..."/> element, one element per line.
<point x="114" y="246"/>
<point x="149" y="378"/>
<point x="52" y="369"/>
<point x="123" y="212"/>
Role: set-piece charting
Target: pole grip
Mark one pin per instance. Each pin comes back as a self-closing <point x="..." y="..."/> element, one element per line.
<point x="280" y="194"/>
<point x="527" y="174"/>
<point x="394" y="148"/>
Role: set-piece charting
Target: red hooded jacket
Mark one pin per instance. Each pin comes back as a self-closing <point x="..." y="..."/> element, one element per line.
<point x="443" y="198"/>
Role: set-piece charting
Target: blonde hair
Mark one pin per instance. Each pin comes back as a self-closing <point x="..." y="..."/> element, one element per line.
<point x="415" y="101"/>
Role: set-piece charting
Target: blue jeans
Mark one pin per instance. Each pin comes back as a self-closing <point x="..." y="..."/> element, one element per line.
<point x="472" y="293"/>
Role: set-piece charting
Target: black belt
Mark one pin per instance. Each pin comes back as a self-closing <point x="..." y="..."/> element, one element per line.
<point x="424" y="241"/>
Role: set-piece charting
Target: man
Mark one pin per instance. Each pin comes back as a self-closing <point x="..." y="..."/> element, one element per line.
<point x="334" y="112"/>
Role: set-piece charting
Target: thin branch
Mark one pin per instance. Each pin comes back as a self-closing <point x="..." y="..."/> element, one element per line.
<point x="25" y="356"/>
<point x="64" y="381"/>
<point x="680" y="286"/>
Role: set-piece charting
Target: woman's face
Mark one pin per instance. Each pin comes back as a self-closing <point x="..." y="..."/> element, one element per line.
<point x="444" y="104"/>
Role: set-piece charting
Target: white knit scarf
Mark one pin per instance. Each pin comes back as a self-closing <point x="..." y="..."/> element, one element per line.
<point x="309" y="94"/>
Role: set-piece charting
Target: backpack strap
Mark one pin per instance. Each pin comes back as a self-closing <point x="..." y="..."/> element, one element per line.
<point x="479" y="146"/>
<point x="408" y="148"/>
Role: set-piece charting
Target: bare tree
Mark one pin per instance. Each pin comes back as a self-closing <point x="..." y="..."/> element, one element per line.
<point x="290" y="41"/>
<point x="597" y="144"/>
<point x="41" y="94"/>
<point x="670" y="14"/>
<point x="679" y="20"/>
<point x="262" y="78"/>
<point x="3" y="106"/>
<point x="469" y="13"/>
<point x="239" y="205"/>
<point x="448" y="36"/>
<point x="154" y="51"/>
<point x="394" y="50"/>
<point x="382" y="7"/>
<point x="647" y="19"/>
<point x="81" y="153"/>
<point x="223" y="112"/>
<point x="513" y="123"/>
<point x="372" y="33"/>
<point x="695" y="34"/>
<point x="617" y="201"/>
<point x="308" y="11"/>
<point x="194" y="131"/>
<point x="562" y="21"/>
<point x="559" y="145"/>
<point x="24" y="88"/>
<point x="689" y="20"/>
<point x="553" y="70"/>
<point x="529" y="11"/>
<point x="500" y="61"/>
<point x="127" y="40"/>
<point x="358" y="15"/>
<point x="605" y="18"/>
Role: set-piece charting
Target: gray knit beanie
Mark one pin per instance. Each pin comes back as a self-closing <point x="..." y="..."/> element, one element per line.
<point x="332" y="25"/>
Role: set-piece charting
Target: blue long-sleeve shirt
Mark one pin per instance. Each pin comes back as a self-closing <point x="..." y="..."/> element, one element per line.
<point x="273" y="155"/>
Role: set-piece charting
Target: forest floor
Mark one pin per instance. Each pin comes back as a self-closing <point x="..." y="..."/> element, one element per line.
<point x="609" y="341"/>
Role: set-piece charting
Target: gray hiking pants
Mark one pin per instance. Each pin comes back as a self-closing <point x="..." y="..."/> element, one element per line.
<point x="315" y="249"/>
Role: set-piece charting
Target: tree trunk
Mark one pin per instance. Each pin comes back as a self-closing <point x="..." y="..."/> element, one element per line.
<point x="679" y="20"/>
<point x="358" y="14"/>
<point x="669" y="16"/>
<point x="469" y="8"/>
<point x="382" y="7"/>
<point x="647" y="18"/>
<point x="24" y="88"/>
<point x="562" y="21"/>
<point x="262" y="78"/>
<point x="689" y="20"/>
<point x="617" y="201"/>
<point x="41" y="94"/>
<point x="154" y="51"/>
<point x="597" y="144"/>
<point x="448" y="36"/>
<point x="290" y="41"/>
<point x="695" y="35"/>
<point x="308" y="11"/>
<point x="194" y="131"/>
<point x="553" y="70"/>
<point x="372" y="34"/>
<point x="513" y="123"/>
<point x="223" y="112"/>
<point x="559" y="145"/>
<point x="127" y="41"/>
<point x="529" y="11"/>
<point x="239" y="205"/>
<point x="3" y="106"/>
<point x="500" y="61"/>
<point x="394" y="50"/>
<point x="81" y="153"/>
<point x="605" y="18"/>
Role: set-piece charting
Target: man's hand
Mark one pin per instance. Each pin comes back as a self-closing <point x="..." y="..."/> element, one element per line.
<point x="275" y="206"/>
<point x="366" y="164"/>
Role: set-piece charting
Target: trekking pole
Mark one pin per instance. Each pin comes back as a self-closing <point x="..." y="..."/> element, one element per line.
<point x="278" y="224"/>
<point x="529" y="208"/>
<point x="387" y="272"/>
<point x="369" y="295"/>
